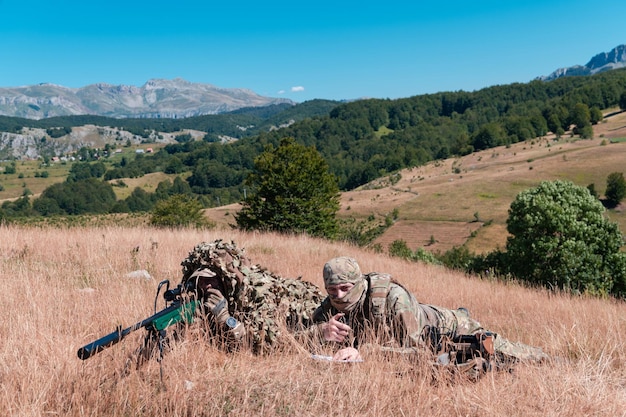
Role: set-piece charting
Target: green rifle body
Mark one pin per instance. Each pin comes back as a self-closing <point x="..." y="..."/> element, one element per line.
<point x="177" y="312"/>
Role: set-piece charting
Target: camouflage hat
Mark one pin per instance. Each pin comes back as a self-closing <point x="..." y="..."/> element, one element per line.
<point x="341" y="270"/>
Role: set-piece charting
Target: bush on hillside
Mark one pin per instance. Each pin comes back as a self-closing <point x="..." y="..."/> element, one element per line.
<point x="561" y="239"/>
<point x="400" y="249"/>
<point x="459" y="258"/>
<point x="364" y="232"/>
<point x="179" y="211"/>
<point x="615" y="188"/>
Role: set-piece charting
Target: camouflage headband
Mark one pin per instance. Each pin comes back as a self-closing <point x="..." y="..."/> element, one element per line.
<point x="341" y="270"/>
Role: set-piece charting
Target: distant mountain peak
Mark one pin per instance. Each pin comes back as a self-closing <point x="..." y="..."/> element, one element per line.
<point x="157" y="98"/>
<point x="605" y="61"/>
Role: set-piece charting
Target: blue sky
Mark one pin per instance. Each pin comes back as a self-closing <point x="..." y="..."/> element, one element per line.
<point x="303" y="50"/>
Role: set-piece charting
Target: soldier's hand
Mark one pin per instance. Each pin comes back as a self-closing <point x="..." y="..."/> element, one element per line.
<point x="335" y="330"/>
<point x="217" y="305"/>
<point x="347" y="354"/>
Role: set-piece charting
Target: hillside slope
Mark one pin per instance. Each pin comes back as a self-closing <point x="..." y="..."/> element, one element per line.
<point x="466" y="200"/>
<point x="442" y="203"/>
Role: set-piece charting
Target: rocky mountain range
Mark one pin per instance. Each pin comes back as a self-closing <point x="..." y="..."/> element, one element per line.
<point x="157" y="98"/>
<point x="178" y="98"/>
<point x="604" y="61"/>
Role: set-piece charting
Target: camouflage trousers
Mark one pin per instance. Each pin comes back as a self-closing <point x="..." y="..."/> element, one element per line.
<point x="459" y="322"/>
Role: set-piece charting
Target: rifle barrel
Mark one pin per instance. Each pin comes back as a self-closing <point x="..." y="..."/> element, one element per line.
<point x="112" y="338"/>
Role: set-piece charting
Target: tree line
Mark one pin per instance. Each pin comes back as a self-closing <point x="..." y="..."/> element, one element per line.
<point x="252" y="119"/>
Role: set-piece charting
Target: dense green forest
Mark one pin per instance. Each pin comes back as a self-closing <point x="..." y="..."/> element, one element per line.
<point x="361" y="140"/>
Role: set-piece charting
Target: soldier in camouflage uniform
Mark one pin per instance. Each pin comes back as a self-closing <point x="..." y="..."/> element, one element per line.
<point x="361" y="307"/>
<point x="245" y="304"/>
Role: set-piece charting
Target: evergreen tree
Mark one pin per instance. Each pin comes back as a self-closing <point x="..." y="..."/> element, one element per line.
<point x="140" y="200"/>
<point x="615" y="188"/>
<point x="622" y="101"/>
<point x="291" y="190"/>
<point x="581" y="118"/>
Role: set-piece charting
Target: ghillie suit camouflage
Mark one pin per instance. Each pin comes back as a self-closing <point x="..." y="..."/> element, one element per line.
<point x="266" y="304"/>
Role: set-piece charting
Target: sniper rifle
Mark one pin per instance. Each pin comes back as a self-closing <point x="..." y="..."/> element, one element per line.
<point x="181" y="306"/>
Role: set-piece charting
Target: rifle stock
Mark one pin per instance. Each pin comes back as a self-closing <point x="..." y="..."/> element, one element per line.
<point x="175" y="313"/>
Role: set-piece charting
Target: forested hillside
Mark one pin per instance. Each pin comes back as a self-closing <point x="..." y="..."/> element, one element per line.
<point x="367" y="139"/>
<point x="362" y="140"/>
<point x="237" y="124"/>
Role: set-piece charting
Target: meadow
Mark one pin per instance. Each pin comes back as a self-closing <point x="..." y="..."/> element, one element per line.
<point x="65" y="287"/>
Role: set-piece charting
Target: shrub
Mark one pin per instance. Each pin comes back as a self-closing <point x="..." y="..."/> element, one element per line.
<point x="561" y="239"/>
<point x="615" y="188"/>
<point x="400" y="249"/>
<point x="179" y="211"/>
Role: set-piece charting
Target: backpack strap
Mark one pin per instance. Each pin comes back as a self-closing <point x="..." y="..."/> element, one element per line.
<point x="379" y="289"/>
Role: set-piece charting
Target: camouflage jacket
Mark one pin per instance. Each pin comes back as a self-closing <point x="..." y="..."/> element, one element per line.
<point x="392" y="316"/>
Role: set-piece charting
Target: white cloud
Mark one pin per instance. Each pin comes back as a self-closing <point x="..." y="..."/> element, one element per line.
<point x="281" y="91"/>
<point x="297" y="89"/>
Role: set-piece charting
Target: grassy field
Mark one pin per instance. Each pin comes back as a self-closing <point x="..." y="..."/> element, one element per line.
<point x="28" y="175"/>
<point x="66" y="287"/>
<point x="148" y="183"/>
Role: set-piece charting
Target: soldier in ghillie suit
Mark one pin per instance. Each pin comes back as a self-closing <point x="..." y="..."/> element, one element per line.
<point x="244" y="303"/>
<point x="365" y="307"/>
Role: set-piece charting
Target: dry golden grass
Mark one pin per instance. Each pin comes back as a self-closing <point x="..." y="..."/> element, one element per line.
<point x="63" y="288"/>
